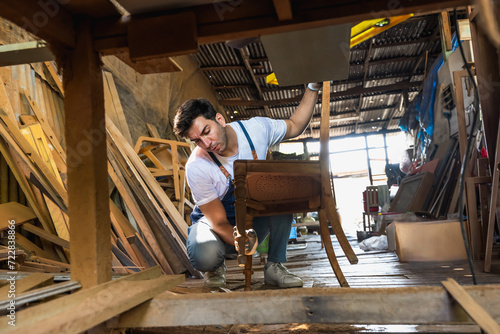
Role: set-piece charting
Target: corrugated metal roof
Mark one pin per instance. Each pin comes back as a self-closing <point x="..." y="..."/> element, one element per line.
<point x="393" y="60"/>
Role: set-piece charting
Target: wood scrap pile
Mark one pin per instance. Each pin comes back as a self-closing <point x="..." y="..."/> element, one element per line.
<point x="147" y="229"/>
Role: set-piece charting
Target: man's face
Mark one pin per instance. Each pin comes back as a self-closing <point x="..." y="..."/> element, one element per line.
<point x="208" y="134"/>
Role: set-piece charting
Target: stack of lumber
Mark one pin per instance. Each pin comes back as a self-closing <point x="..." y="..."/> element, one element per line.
<point x="147" y="229"/>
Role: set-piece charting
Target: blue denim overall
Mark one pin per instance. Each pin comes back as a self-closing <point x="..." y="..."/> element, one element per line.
<point x="207" y="250"/>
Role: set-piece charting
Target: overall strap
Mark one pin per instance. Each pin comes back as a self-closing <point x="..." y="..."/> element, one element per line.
<point x="222" y="168"/>
<point x="254" y="153"/>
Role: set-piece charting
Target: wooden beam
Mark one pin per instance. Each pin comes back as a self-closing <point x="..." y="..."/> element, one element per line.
<point x="46" y="19"/>
<point x="427" y="304"/>
<point x="27" y="283"/>
<point x="92" y="8"/>
<point x="397" y="87"/>
<point x="25" y="53"/>
<point x="45" y="235"/>
<point x="471" y="306"/>
<point x="445" y="32"/>
<point x="283" y="9"/>
<point x="85" y="309"/>
<point x="220" y="22"/>
<point x="87" y="177"/>
<point x="166" y="35"/>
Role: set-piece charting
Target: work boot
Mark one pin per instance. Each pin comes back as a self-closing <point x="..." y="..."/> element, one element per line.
<point x="277" y="274"/>
<point x="216" y="278"/>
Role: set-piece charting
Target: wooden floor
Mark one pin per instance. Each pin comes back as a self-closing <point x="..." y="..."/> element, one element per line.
<point x="376" y="269"/>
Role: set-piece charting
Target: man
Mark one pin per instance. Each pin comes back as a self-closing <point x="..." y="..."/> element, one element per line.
<point x="209" y="172"/>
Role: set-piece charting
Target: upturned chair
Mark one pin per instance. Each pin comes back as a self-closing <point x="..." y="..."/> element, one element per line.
<point x="266" y="188"/>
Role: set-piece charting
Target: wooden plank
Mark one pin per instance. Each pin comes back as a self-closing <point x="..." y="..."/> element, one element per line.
<point x="36" y="138"/>
<point x="445" y="32"/>
<point x="150" y="181"/>
<point x="153" y="131"/>
<point x="473" y="309"/>
<point x="313" y="305"/>
<point x="25" y="53"/>
<point x="30" y="196"/>
<point x="47" y="236"/>
<point x="462" y="131"/>
<point x="50" y="110"/>
<point x="83" y="310"/>
<point x="53" y="73"/>
<point x="5" y="105"/>
<point x="87" y="177"/>
<point x="474" y="228"/>
<point x="33" y="196"/>
<point x="31" y="247"/>
<point x="113" y="106"/>
<point x="27" y="283"/>
<point x="494" y="198"/>
<point x="4" y="180"/>
<point x="283" y="9"/>
<point x="48" y="261"/>
<point x="133" y="206"/>
<point x="13" y="211"/>
<point x="121" y="236"/>
<point x="125" y="226"/>
<point x="30" y="156"/>
<point x="482" y="166"/>
<point x="47" y="129"/>
<point x="161" y="225"/>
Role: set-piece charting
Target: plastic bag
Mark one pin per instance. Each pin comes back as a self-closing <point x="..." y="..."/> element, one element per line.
<point x="374" y="243"/>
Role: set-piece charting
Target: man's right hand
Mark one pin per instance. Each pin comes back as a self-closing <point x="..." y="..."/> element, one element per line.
<point x="251" y="241"/>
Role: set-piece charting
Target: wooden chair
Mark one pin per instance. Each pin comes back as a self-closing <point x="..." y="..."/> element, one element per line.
<point x="371" y="206"/>
<point x="167" y="166"/>
<point x="265" y="188"/>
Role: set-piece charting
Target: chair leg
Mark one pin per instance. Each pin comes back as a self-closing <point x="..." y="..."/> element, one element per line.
<point x="248" y="273"/>
<point x="339" y="231"/>
<point x="325" y="236"/>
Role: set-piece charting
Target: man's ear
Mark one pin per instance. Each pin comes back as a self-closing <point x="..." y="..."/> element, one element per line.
<point x="220" y="119"/>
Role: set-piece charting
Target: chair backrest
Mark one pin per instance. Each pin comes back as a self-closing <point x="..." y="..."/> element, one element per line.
<point x="278" y="187"/>
<point x="371" y="199"/>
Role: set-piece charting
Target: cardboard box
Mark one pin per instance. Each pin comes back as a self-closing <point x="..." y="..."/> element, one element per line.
<point x="438" y="241"/>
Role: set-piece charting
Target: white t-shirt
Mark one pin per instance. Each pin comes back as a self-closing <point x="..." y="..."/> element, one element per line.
<point x="204" y="177"/>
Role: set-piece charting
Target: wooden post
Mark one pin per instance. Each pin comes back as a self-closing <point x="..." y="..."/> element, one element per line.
<point x="86" y="157"/>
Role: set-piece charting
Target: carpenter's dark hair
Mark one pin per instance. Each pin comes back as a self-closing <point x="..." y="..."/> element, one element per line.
<point x="190" y="110"/>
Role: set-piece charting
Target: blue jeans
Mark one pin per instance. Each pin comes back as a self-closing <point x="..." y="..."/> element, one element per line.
<point x="207" y="251"/>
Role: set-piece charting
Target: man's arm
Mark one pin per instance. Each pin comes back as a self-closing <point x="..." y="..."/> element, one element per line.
<point x="302" y="115"/>
<point x="216" y="215"/>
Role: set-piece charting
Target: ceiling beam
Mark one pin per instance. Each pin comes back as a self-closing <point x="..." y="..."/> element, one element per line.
<point x="360" y="124"/>
<point x="92" y="8"/>
<point x="247" y="19"/>
<point x="283" y="9"/>
<point x="397" y="87"/>
<point x="45" y="19"/>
